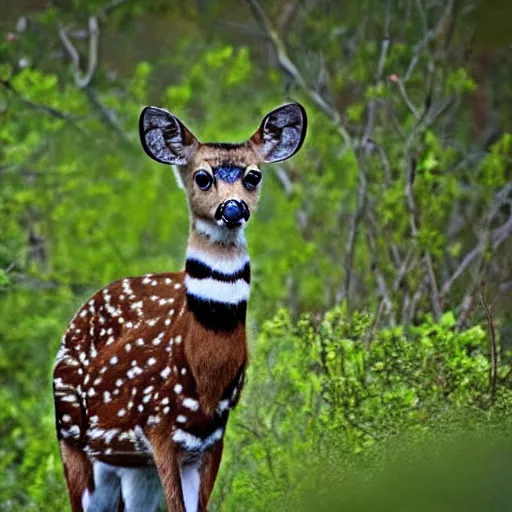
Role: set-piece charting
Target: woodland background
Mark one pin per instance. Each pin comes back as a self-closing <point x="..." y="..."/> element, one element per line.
<point x="382" y="296"/>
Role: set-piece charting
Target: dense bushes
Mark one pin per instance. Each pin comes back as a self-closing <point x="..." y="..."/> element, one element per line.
<point x="316" y="385"/>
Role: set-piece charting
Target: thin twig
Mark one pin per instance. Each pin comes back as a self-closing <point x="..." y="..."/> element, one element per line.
<point x="405" y="97"/>
<point x="291" y="69"/>
<point x="83" y="80"/>
<point x="493" y="374"/>
<point x="108" y="115"/>
<point x="284" y="179"/>
<point x="375" y="324"/>
<point x="498" y="236"/>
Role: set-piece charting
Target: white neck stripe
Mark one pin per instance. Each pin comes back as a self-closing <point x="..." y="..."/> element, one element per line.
<point x="218" y="291"/>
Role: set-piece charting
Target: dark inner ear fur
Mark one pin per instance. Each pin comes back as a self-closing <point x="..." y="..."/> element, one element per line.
<point x="281" y="133"/>
<point x="164" y="137"/>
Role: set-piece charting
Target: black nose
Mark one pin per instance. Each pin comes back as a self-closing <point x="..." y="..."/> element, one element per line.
<point x="232" y="212"/>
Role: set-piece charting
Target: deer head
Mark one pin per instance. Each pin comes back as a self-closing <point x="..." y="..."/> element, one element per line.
<point x="222" y="181"/>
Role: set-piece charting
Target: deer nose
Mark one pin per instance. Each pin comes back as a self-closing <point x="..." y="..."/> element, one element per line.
<point x="232" y="212"/>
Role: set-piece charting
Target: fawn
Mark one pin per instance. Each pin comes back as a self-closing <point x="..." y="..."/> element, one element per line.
<point x="150" y="366"/>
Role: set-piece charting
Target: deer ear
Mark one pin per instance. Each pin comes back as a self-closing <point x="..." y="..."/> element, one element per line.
<point x="281" y="133"/>
<point x="165" y="138"/>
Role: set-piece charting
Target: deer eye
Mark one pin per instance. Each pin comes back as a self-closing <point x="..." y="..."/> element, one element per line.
<point x="203" y="180"/>
<point x="251" y="179"/>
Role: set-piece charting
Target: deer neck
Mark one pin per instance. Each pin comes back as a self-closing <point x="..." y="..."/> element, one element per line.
<point x="217" y="275"/>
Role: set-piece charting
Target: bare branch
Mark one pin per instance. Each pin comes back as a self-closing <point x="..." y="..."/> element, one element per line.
<point x="364" y="149"/>
<point x="291" y="69"/>
<point x="503" y="288"/>
<point x="498" y="236"/>
<point x="375" y="324"/>
<point x="353" y="229"/>
<point x="108" y="115"/>
<point x="284" y="179"/>
<point x="81" y="80"/>
<point x="405" y="97"/>
<point x="385" y="42"/>
<point x="379" y="277"/>
<point x="493" y="373"/>
<point x="430" y="35"/>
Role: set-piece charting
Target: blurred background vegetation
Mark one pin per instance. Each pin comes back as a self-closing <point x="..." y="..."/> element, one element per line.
<point x="382" y="292"/>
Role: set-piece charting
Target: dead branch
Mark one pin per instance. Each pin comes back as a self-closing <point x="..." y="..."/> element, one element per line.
<point x="83" y="80"/>
<point x="379" y="277"/>
<point x="108" y="115"/>
<point x="405" y="97"/>
<point x="286" y="64"/>
<point x="493" y="373"/>
<point x="284" y="179"/>
<point x="430" y="36"/>
<point x="498" y="236"/>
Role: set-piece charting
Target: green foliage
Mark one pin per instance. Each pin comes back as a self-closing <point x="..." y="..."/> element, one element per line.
<point x="336" y="382"/>
<point x="81" y="205"/>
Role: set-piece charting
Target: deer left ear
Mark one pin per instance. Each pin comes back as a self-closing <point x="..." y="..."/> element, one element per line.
<point x="165" y="138"/>
<point x="281" y="133"/>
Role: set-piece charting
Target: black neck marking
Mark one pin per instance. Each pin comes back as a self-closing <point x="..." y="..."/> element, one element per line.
<point x="217" y="316"/>
<point x="200" y="270"/>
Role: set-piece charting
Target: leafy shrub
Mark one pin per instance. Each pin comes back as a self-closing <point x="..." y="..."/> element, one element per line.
<point x="313" y="386"/>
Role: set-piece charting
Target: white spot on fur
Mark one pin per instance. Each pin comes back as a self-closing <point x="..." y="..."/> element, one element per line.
<point x="165" y="372"/>
<point x="191" y="404"/>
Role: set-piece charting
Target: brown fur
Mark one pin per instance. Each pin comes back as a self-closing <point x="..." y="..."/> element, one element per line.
<point x="78" y="473"/>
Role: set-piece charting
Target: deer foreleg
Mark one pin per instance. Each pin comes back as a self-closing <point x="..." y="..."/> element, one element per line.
<point x="167" y="464"/>
<point x="78" y="472"/>
<point x="209" y="472"/>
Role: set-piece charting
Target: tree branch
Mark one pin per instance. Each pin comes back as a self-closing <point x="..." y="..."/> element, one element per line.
<point x="286" y="64"/>
<point x="82" y="80"/>
<point x="493" y="373"/>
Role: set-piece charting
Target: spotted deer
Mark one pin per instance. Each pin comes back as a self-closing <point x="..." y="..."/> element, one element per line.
<point x="150" y="367"/>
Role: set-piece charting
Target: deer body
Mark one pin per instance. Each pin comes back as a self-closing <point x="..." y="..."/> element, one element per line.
<point x="150" y="367"/>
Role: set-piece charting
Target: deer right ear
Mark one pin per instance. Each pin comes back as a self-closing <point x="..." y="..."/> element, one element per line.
<point x="281" y="133"/>
<point x="165" y="138"/>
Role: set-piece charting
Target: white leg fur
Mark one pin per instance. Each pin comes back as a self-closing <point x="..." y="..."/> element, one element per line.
<point x="106" y="493"/>
<point x="190" y="480"/>
<point x="140" y="488"/>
